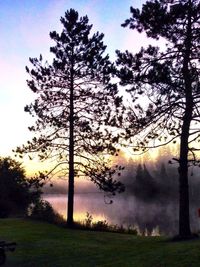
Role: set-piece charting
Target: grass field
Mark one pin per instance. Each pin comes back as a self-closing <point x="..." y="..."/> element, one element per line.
<point x="45" y="245"/>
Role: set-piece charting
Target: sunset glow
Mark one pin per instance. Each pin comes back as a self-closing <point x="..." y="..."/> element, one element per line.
<point x="26" y="34"/>
<point x="100" y="132"/>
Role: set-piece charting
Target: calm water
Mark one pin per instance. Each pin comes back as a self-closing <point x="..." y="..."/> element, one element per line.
<point x="125" y="210"/>
<point x="96" y="204"/>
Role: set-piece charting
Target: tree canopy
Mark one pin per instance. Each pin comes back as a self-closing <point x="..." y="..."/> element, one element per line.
<point x="168" y="82"/>
<point x="16" y="191"/>
<point x="75" y="104"/>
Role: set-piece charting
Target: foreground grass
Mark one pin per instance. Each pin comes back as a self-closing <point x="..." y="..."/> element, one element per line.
<point x="45" y="245"/>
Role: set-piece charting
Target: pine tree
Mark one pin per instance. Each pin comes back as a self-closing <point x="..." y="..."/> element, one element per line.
<point x="170" y="80"/>
<point x="144" y="185"/>
<point x="74" y="106"/>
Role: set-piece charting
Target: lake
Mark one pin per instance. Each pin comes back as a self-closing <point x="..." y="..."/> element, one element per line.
<point x="96" y="204"/>
<point x="125" y="210"/>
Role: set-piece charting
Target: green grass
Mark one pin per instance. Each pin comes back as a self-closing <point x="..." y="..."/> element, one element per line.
<point x="45" y="245"/>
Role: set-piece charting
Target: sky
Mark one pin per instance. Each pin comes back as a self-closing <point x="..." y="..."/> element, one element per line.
<point x="24" y="31"/>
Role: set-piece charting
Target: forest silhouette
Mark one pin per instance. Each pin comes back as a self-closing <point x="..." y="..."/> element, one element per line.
<point x="82" y="119"/>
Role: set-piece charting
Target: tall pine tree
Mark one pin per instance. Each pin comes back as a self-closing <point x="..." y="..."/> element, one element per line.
<point x="169" y="82"/>
<point x="74" y="105"/>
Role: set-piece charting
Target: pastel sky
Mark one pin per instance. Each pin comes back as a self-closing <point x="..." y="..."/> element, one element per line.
<point x="24" y="31"/>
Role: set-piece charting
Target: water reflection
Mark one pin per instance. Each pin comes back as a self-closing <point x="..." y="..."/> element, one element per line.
<point x="83" y="203"/>
<point x="125" y="210"/>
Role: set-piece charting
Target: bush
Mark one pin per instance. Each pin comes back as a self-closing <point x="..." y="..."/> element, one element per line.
<point x="88" y="220"/>
<point x="100" y="225"/>
<point x="42" y="210"/>
<point x="103" y="225"/>
<point x="16" y="191"/>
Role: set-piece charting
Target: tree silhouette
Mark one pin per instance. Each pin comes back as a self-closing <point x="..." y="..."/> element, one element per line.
<point x="74" y="105"/>
<point x="16" y="191"/>
<point x="144" y="185"/>
<point x="168" y="82"/>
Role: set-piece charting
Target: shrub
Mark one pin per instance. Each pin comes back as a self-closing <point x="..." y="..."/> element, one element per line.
<point x="42" y="210"/>
<point x="103" y="225"/>
<point x="88" y="220"/>
<point x="16" y="191"/>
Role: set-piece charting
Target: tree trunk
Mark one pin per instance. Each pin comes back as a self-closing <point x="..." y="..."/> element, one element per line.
<point x="70" y="210"/>
<point x="184" y="214"/>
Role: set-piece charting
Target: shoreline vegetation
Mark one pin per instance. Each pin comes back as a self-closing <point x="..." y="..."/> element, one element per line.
<point x="44" y="244"/>
<point x="44" y="212"/>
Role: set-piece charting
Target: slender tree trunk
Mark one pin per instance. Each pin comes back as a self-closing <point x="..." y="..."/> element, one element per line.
<point x="184" y="214"/>
<point x="70" y="210"/>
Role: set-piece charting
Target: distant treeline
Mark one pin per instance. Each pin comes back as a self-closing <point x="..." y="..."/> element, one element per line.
<point x="150" y="182"/>
<point x="153" y="188"/>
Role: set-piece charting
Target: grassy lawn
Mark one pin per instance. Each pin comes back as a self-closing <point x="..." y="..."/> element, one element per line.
<point x="45" y="245"/>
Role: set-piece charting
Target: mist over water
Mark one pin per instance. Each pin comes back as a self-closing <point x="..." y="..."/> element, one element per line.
<point x="150" y="201"/>
<point x="126" y="211"/>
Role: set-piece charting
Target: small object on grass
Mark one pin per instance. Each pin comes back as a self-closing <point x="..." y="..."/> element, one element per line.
<point x="5" y="247"/>
<point x="2" y="256"/>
